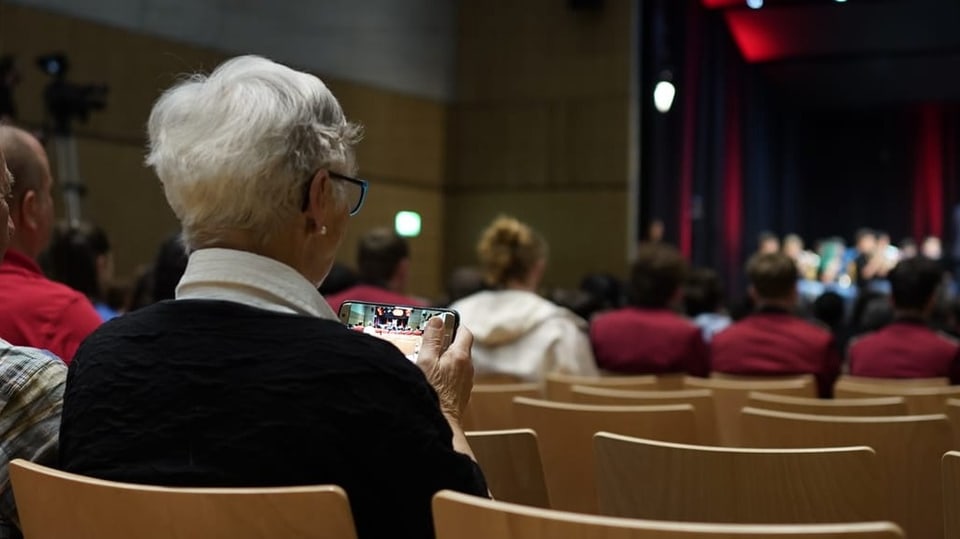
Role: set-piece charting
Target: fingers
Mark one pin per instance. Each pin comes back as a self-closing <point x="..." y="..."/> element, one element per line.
<point x="430" y="343"/>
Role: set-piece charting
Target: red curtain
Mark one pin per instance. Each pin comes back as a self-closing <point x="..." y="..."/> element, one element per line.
<point x="928" y="179"/>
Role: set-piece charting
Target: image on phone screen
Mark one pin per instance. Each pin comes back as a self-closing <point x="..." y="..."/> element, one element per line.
<point x="402" y="325"/>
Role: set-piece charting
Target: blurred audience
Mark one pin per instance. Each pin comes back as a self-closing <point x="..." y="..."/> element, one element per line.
<point x="383" y="266"/>
<point x="908" y="347"/>
<point x="768" y="242"/>
<point x="79" y="256"/>
<point x="773" y="340"/>
<point x="248" y="378"/>
<point x="35" y="311"/>
<point x="648" y="336"/>
<point x="703" y="302"/>
<point x="932" y="248"/>
<point x="518" y="332"/>
<point x="32" y="384"/>
<point x="464" y="281"/>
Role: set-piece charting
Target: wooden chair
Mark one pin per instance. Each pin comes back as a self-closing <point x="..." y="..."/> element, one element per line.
<point x="87" y="508"/>
<point x="920" y="400"/>
<point x="510" y="460"/>
<point x="730" y="396"/>
<point x="953" y="413"/>
<point x="491" y="406"/>
<point x="565" y="432"/>
<point x="459" y="516"/>
<point x="688" y="483"/>
<point x="763" y="377"/>
<point x="951" y="494"/>
<point x="846" y="407"/>
<point x="491" y="378"/>
<point x="908" y="452"/>
<point x="558" y="386"/>
<point x="896" y="382"/>
<point x="700" y="399"/>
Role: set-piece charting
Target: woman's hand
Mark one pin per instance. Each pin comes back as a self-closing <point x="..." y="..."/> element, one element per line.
<point x="450" y="372"/>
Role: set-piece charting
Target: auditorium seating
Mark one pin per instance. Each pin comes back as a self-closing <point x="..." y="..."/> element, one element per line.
<point x="639" y="478"/>
<point x="908" y="452"/>
<point x="491" y="405"/>
<point x="953" y="413"/>
<point x="951" y="494"/>
<point x="57" y="505"/>
<point x="730" y="396"/>
<point x="845" y="407"/>
<point x="558" y="385"/>
<point x="459" y="516"/>
<point x="895" y="382"/>
<point x="565" y="432"/>
<point x="700" y="399"/>
<point x="919" y="399"/>
<point x="510" y="460"/>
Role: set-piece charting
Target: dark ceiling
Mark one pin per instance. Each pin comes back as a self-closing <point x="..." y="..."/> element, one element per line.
<point x="823" y="53"/>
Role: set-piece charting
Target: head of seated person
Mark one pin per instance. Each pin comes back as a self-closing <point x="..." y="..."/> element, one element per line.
<point x="656" y="277"/>
<point x="916" y="284"/>
<point x="513" y="256"/>
<point x="383" y="260"/>
<point x="773" y="281"/>
<point x="702" y="292"/>
<point x="80" y="257"/>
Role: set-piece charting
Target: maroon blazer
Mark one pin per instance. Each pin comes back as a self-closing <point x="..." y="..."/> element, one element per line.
<point x="648" y="341"/>
<point x="775" y="342"/>
<point x="907" y="348"/>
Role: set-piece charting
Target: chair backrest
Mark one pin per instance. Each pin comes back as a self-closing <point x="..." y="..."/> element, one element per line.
<point x="951" y="494"/>
<point x="459" y="516"/>
<point x="700" y="399"/>
<point x="491" y="405"/>
<point x="54" y="504"/>
<point x="896" y="382"/>
<point x="558" y="385"/>
<point x="953" y="413"/>
<point x="491" y="378"/>
<point x="763" y="377"/>
<point x="919" y="399"/>
<point x="510" y="460"/>
<point x="846" y="407"/>
<point x="730" y="396"/>
<point x="565" y="432"/>
<point x="665" y="481"/>
<point x="908" y="452"/>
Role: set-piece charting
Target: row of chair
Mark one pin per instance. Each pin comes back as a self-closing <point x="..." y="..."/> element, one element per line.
<point x="839" y="482"/>
<point x="116" y="510"/>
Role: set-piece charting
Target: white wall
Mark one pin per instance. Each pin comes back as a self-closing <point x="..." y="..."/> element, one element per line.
<point x="403" y="45"/>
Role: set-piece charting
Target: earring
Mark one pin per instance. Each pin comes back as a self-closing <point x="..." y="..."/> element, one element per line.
<point x="323" y="230"/>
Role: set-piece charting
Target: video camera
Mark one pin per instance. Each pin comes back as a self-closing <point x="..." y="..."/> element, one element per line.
<point x="67" y="101"/>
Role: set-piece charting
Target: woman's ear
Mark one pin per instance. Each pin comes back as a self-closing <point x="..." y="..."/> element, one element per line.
<point x="318" y="196"/>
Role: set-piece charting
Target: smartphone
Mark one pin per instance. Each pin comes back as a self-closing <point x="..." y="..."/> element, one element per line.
<point x="402" y="325"/>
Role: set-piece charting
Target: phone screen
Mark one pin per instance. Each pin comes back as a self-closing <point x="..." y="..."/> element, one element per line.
<point x="402" y="325"/>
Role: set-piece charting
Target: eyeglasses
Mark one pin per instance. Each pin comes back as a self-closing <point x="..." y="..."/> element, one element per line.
<point x="356" y="191"/>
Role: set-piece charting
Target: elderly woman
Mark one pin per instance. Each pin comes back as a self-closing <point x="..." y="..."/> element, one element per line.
<point x="247" y="378"/>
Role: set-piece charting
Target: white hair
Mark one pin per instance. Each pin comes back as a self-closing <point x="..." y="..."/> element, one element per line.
<point x="234" y="150"/>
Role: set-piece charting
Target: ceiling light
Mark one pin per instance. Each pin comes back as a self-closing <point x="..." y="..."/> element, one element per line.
<point x="754" y="4"/>
<point x="663" y="94"/>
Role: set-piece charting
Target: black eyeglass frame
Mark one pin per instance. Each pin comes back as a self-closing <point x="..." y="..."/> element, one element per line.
<point x="356" y="181"/>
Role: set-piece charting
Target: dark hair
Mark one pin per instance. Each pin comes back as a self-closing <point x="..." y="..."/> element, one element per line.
<point x="340" y="278"/>
<point x="605" y="289"/>
<point x="915" y="282"/>
<point x="72" y="257"/>
<point x="702" y="292"/>
<point x="772" y="275"/>
<point x="830" y="309"/>
<point x="168" y="268"/>
<point x="378" y="255"/>
<point x="862" y="233"/>
<point x="464" y="281"/>
<point x="656" y="275"/>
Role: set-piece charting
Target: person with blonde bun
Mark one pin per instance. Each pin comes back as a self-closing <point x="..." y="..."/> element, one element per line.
<point x="516" y="331"/>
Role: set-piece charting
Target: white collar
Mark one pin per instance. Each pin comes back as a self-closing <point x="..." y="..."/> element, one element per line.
<point x="250" y="279"/>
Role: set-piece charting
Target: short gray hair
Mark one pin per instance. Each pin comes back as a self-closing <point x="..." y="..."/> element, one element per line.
<point x="233" y="150"/>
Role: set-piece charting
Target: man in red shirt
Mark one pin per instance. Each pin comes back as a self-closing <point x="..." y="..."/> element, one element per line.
<point x="383" y="262"/>
<point x="773" y="340"/>
<point x="648" y="337"/>
<point x="35" y="311"/>
<point x="907" y="347"/>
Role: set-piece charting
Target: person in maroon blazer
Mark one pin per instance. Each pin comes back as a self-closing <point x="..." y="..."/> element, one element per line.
<point x="907" y="347"/>
<point x="773" y="340"/>
<point x="648" y="337"/>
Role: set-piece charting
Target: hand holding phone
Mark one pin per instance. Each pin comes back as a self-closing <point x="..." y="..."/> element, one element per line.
<point x="402" y="325"/>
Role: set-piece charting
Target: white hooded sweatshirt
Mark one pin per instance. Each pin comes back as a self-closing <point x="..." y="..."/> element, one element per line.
<point x="520" y="333"/>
